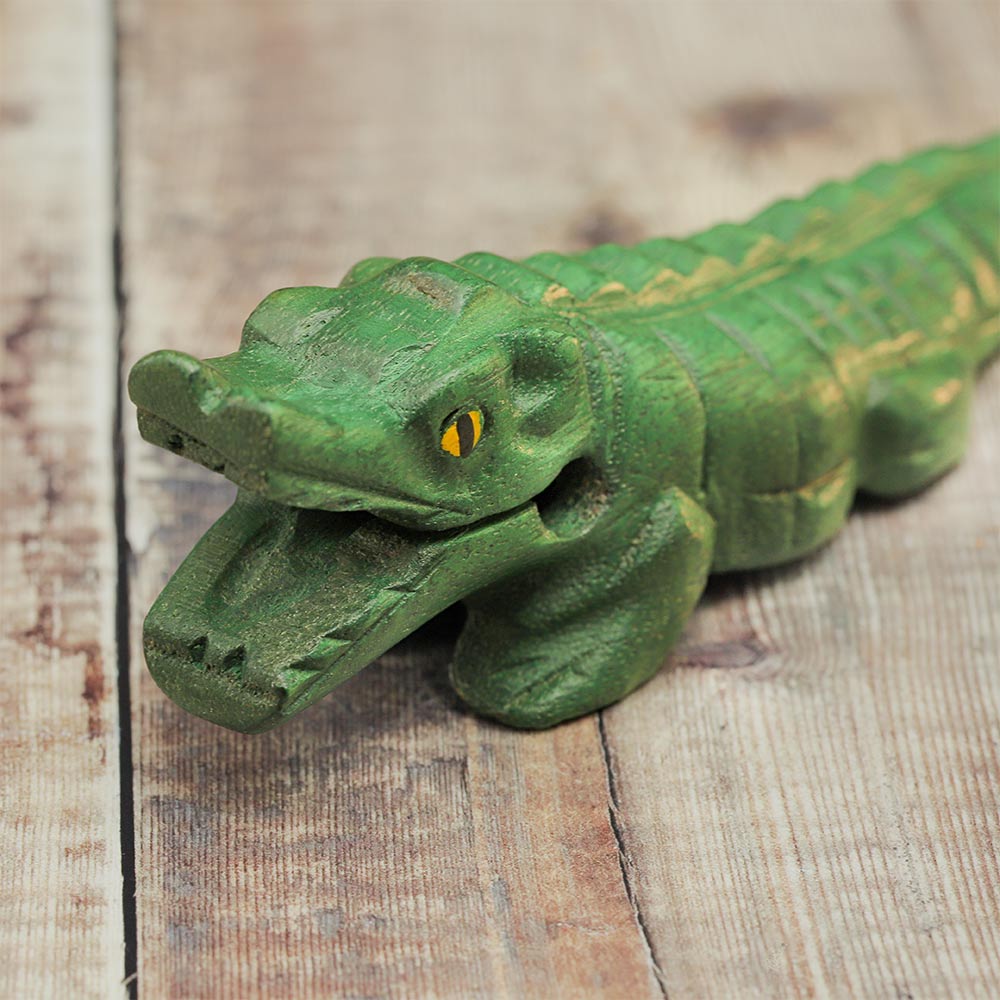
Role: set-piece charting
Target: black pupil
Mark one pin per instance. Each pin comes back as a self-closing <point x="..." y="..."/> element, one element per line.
<point x="466" y="434"/>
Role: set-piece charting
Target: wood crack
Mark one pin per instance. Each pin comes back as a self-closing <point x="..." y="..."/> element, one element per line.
<point x="625" y="862"/>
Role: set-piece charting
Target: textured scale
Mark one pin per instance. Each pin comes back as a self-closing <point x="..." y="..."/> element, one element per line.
<point x="811" y="300"/>
<point x="569" y="443"/>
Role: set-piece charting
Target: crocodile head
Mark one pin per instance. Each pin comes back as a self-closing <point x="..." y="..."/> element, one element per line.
<point x="389" y="437"/>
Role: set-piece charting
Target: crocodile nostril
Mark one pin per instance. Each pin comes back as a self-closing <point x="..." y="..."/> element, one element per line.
<point x="232" y="662"/>
<point x="196" y="650"/>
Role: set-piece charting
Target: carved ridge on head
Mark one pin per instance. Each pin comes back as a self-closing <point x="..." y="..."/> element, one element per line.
<point x="338" y="399"/>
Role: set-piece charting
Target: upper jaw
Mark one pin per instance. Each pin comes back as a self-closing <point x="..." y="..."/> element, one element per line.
<point x="261" y="443"/>
<point x="297" y="488"/>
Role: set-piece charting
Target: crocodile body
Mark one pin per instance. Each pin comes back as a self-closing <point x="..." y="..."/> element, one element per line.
<point x="569" y="444"/>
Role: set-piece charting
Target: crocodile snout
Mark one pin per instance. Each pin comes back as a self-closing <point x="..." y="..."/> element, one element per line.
<point x="214" y="692"/>
<point x="192" y="409"/>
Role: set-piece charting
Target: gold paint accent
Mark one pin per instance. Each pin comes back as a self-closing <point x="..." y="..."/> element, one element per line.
<point x="946" y="392"/>
<point x="554" y="293"/>
<point x="887" y="348"/>
<point x="962" y="302"/>
<point x="610" y="288"/>
<point x="825" y="489"/>
<point x="831" y="481"/>
<point x="987" y="280"/>
<point x="763" y="251"/>
<point x="990" y="328"/>
<point x="829" y="392"/>
<point x="658" y="288"/>
<point x="824" y="236"/>
<point x="477" y="426"/>
<point x="668" y="287"/>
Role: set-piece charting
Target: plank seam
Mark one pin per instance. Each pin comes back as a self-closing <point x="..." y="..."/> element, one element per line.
<point x="123" y="551"/>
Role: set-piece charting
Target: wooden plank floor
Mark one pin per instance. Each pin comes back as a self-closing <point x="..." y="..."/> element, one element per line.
<point x="804" y="803"/>
<point x="61" y="918"/>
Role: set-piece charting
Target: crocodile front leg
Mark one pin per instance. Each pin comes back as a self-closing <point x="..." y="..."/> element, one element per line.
<point x="566" y="639"/>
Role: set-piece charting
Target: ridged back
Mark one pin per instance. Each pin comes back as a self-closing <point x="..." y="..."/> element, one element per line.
<point x="913" y="243"/>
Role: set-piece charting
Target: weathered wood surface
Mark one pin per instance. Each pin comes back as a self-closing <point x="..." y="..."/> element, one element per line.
<point x="814" y="789"/>
<point x="812" y="816"/>
<point x="61" y="927"/>
<point x="805" y="804"/>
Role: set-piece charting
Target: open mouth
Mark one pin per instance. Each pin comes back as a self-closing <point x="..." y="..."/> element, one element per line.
<point x="306" y="579"/>
<point x="277" y="605"/>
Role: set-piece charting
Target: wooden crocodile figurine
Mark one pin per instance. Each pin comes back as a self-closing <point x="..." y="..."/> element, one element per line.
<point x="568" y="444"/>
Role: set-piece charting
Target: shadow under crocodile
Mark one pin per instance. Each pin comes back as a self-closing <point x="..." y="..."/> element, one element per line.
<point x="407" y="688"/>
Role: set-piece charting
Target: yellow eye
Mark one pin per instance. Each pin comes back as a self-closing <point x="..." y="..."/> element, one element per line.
<point x="462" y="433"/>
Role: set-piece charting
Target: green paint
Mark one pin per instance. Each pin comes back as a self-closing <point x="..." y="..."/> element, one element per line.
<point x="649" y="414"/>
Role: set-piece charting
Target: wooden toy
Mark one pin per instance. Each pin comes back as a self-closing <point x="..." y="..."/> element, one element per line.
<point x="569" y="444"/>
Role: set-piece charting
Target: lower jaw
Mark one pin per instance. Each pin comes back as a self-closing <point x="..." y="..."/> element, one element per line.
<point x="212" y="695"/>
<point x="314" y="597"/>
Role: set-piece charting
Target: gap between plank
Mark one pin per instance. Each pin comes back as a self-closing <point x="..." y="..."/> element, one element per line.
<point x="624" y="861"/>
<point x="122" y="595"/>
